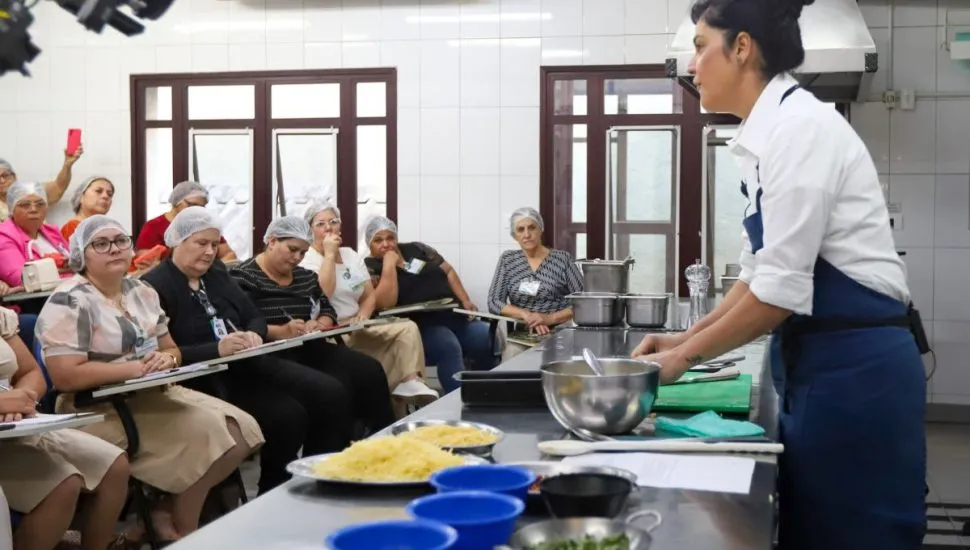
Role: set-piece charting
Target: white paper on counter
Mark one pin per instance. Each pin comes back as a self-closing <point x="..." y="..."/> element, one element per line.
<point x="721" y="474"/>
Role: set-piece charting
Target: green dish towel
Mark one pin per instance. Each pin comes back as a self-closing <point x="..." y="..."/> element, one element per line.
<point x="708" y="424"/>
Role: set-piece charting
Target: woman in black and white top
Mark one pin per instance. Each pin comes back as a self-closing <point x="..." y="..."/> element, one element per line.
<point x="290" y="299"/>
<point x="532" y="283"/>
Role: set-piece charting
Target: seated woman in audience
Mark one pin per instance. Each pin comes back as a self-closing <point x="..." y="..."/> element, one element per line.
<point x="411" y="273"/>
<point x="102" y="327"/>
<point x="24" y="236"/>
<point x="44" y="475"/>
<point x="55" y="188"/>
<point x="211" y="317"/>
<point x="343" y="277"/>
<point x="532" y="283"/>
<point x="289" y="298"/>
<point x="93" y="196"/>
<point x="184" y="195"/>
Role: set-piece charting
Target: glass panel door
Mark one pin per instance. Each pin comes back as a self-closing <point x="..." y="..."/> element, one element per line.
<point x="570" y="183"/>
<point x="222" y="161"/>
<point x="304" y="169"/>
<point x="724" y="204"/>
<point x="643" y="162"/>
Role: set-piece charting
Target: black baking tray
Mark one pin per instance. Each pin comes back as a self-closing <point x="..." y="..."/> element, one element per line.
<point x="519" y="389"/>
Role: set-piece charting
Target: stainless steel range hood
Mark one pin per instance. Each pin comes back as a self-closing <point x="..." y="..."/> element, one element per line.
<point x="840" y="56"/>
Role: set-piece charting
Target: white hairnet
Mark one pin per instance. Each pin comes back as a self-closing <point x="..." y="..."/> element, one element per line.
<point x="23" y="189"/>
<point x="318" y="206"/>
<point x="191" y="220"/>
<point x="185" y="190"/>
<point x="85" y="233"/>
<point x="376" y="225"/>
<point x="79" y="192"/>
<point x="6" y="164"/>
<point x="289" y="227"/>
<point x="526" y="212"/>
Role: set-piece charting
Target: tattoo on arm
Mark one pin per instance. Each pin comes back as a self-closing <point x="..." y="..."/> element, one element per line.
<point x="695" y="360"/>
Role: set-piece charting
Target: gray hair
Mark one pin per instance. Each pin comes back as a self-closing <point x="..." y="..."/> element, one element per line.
<point x="526" y="212"/>
<point x="185" y="190"/>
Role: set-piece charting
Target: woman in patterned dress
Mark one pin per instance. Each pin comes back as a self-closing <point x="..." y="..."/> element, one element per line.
<point x="101" y="327"/>
<point x="532" y="283"/>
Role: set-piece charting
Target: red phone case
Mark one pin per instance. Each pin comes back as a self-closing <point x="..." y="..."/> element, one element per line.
<point x="73" y="140"/>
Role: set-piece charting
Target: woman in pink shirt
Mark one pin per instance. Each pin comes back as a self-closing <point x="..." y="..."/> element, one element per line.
<point x="24" y="236"/>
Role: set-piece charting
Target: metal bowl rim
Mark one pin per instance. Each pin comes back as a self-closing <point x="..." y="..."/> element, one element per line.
<point x="655" y="368"/>
<point x="411" y="425"/>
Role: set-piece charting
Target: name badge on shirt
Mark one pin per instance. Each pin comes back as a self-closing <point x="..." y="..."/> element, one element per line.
<point x="414" y="266"/>
<point x="145" y="346"/>
<point x="529" y="287"/>
<point x="219" y="328"/>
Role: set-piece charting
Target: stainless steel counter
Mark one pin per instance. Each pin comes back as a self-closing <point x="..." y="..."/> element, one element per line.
<point x="299" y="514"/>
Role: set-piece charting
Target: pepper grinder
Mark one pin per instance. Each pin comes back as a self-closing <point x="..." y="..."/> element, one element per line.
<point x="698" y="282"/>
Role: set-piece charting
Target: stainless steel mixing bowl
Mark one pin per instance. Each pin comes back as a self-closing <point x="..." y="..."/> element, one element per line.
<point x="596" y="309"/>
<point x="646" y="310"/>
<point x="612" y="404"/>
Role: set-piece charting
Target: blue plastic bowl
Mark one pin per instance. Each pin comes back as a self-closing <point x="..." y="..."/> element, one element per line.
<point x="483" y="520"/>
<point x="401" y="534"/>
<point x="493" y="478"/>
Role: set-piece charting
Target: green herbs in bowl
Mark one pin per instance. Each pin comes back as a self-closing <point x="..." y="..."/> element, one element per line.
<point x="616" y="542"/>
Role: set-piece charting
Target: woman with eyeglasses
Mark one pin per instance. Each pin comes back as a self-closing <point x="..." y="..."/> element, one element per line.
<point x="25" y="237"/>
<point x="93" y="196"/>
<point x="184" y="195"/>
<point x="210" y="316"/>
<point x="343" y="277"/>
<point x="102" y="327"/>
<point x="55" y="188"/>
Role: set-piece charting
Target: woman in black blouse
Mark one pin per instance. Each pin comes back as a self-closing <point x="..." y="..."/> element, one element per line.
<point x="290" y="299"/>
<point x="411" y="273"/>
<point x="532" y="283"/>
<point x="210" y="317"/>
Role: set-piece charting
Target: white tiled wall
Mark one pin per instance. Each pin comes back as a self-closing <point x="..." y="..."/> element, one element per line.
<point x="469" y="107"/>
<point x="924" y="155"/>
<point x="468" y="90"/>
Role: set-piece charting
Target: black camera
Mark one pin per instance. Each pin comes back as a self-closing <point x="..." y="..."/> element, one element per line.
<point x="17" y="49"/>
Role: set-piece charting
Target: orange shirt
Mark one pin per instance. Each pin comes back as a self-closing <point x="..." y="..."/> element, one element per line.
<point x="68" y="228"/>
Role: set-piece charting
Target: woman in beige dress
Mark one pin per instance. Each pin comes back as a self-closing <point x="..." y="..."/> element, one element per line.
<point x="344" y="279"/>
<point x="44" y="475"/>
<point x="100" y="328"/>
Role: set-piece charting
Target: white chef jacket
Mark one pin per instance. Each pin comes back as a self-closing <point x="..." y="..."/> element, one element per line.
<point x="821" y="197"/>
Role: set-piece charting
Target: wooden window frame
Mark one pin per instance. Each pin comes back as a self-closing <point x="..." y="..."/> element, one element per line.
<point x="263" y="125"/>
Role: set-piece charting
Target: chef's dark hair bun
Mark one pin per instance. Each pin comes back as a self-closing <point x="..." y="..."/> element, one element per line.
<point x="773" y="24"/>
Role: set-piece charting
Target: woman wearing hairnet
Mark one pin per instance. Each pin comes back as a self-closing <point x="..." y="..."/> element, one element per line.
<point x="184" y="195"/>
<point x="102" y="327"/>
<point x="291" y="301"/>
<point x="211" y="317"/>
<point x="411" y="273"/>
<point x="532" y="283"/>
<point x="55" y="188"/>
<point x="343" y="277"/>
<point x="93" y="196"/>
<point x="24" y="236"/>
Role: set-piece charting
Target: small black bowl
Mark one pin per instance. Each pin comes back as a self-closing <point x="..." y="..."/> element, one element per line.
<point x="585" y="495"/>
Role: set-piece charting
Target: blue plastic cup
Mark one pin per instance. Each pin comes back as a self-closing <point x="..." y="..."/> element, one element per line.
<point x="493" y="478"/>
<point x="413" y="534"/>
<point x="483" y="520"/>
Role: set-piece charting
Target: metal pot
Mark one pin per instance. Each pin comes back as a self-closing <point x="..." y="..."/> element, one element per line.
<point x="606" y="275"/>
<point x="596" y="309"/>
<point x="646" y="310"/>
<point x="578" y="528"/>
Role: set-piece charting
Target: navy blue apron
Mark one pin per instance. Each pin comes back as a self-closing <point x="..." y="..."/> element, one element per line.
<point x="852" y="396"/>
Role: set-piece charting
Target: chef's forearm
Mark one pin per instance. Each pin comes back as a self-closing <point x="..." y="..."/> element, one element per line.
<point x="733" y="297"/>
<point x="747" y="320"/>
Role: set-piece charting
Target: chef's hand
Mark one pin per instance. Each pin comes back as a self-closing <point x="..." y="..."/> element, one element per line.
<point x="158" y="361"/>
<point x="656" y="343"/>
<point x="672" y="365"/>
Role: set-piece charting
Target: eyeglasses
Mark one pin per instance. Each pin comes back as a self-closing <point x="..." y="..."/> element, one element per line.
<point x="101" y="246"/>
<point x="324" y="223"/>
<point x="31" y="205"/>
<point x="8" y="176"/>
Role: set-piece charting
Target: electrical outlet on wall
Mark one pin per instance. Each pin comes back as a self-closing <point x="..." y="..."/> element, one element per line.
<point x="889" y="99"/>
<point x="896" y="222"/>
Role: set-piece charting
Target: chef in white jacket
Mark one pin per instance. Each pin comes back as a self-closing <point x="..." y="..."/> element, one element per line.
<point x="819" y="271"/>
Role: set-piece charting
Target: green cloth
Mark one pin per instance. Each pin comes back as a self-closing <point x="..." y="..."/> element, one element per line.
<point x="708" y="424"/>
